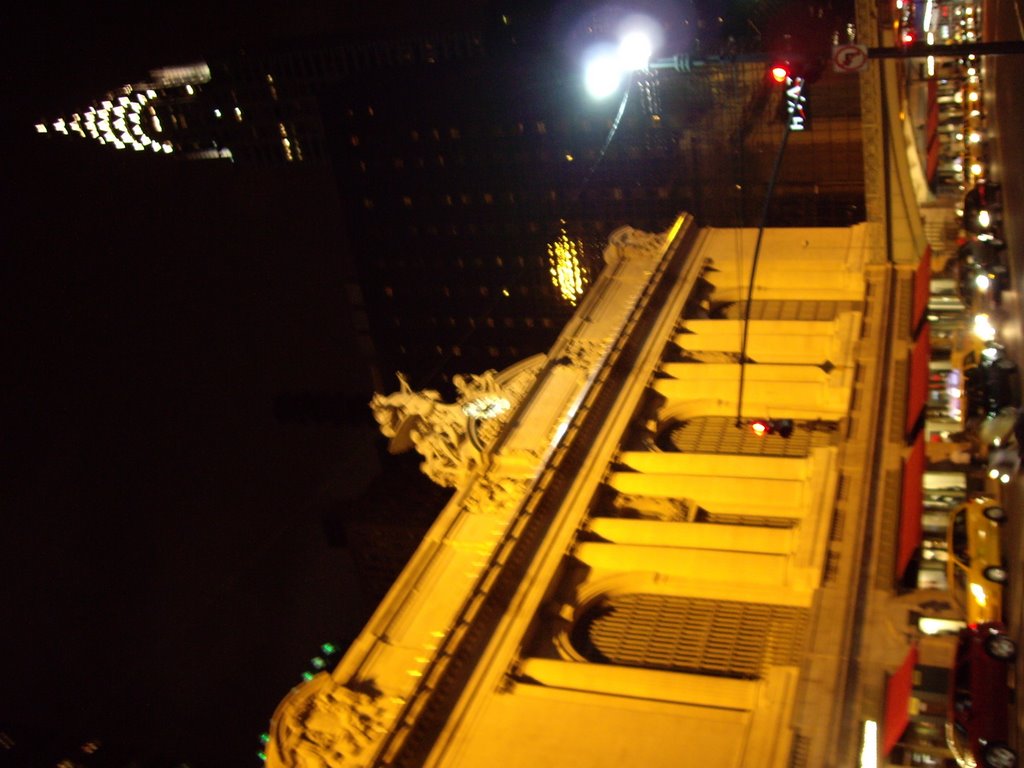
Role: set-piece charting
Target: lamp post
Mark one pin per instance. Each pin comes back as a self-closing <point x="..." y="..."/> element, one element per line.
<point x="604" y="73"/>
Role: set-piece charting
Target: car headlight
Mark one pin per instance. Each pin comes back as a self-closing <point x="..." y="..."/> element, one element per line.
<point x="984" y="219"/>
<point x="982" y="282"/>
<point x="983" y="328"/>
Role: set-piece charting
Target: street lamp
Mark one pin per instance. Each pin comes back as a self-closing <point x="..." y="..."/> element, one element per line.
<point x="607" y="65"/>
<point x="604" y="71"/>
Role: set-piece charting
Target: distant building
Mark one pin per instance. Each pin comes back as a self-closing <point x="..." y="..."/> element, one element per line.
<point x="477" y="180"/>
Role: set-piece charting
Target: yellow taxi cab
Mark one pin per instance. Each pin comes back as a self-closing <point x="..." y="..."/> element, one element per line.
<point x="975" y="567"/>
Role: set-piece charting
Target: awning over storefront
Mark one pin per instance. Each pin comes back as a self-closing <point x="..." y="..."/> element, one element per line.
<point x="912" y="505"/>
<point x="922" y="286"/>
<point x="933" y="160"/>
<point x="898" y="690"/>
<point x="917" y="384"/>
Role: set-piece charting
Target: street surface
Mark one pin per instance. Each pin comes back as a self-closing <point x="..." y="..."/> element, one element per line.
<point x="1004" y="82"/>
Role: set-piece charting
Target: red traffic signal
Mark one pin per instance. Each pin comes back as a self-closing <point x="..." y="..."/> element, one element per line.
<point x="780" y="72"/>
<point x="780" y="427"/>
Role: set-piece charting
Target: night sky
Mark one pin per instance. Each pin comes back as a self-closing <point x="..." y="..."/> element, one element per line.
<point x="166" y="568"/>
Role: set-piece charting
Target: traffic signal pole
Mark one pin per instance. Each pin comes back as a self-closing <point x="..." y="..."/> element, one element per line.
<point x="685" y="63"/>
<point x="954" y="51"/>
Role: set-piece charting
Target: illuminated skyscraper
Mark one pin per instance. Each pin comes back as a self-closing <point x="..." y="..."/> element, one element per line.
<point x="476" y="180"/>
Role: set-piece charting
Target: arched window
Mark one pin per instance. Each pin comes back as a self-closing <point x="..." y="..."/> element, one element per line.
<point x="689" y="634"/>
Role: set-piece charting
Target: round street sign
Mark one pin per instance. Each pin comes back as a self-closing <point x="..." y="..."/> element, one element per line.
<point x="849" y="57"/>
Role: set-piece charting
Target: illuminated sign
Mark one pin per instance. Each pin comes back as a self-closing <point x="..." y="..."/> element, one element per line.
<point x="795" y="104"/>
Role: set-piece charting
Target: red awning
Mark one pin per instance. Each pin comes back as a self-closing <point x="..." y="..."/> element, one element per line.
<point x="912" y="505"/>
<point x="922" y="285"/>
<point x="933" y="160"/>
<point x="898" y="689"/>
<point x="917" y="386"/>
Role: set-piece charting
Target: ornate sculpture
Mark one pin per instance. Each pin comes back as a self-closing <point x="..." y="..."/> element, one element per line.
<point x="323" y="723"/>
<point x="625" y="240"/>
<point x="443" y="433"/>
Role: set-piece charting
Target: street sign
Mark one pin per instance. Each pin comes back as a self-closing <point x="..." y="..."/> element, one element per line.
<point x="795" y="104"/>
<point x="849" y="57"/>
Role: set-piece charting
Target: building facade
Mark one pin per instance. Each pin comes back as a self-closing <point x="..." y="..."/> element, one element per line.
<point x="626" y="572"/>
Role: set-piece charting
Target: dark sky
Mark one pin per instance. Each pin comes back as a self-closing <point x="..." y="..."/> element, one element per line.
<point x="164" y="573"/>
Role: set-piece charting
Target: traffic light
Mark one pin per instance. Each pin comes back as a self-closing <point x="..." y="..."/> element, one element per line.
<point x="780" y="72"/>
<point x="780" y="427"/>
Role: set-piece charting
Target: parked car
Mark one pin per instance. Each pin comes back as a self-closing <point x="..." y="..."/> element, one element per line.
<point x="982" y="205"/>
<point x="982" y="274"/>
<point x="978" y="723"/>
<point x="989" y="254"/>
<point x="997" y="431"/>
<point x="1018" y="432"/>
<point x="1003" y="464"/>
<point x="974" y="567"/>
<point x="991" y="385"/>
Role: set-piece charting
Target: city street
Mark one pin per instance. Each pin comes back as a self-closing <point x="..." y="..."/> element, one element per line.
<point x="1004" y="79"/>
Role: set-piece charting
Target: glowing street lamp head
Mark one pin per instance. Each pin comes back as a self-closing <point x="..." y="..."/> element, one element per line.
<point x="635" y="50"/>
<point x="607" y="66"/>
<point x="603" y="74"/>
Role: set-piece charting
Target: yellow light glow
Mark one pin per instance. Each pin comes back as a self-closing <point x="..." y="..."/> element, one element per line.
<point x="567" y="272"/>
<point x="983" y="327"/>
<point x="869" y="747"/>
<point x="675" y="229"/>
<point x="978" y="592"/>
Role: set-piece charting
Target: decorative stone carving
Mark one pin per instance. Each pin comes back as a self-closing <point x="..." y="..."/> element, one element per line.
<point x="323" y="724"/>
<point x="449" y="436"/>
<point x="495" y="494"/>
<point x="582" y="354"/>
<point x="627" y="241"/>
